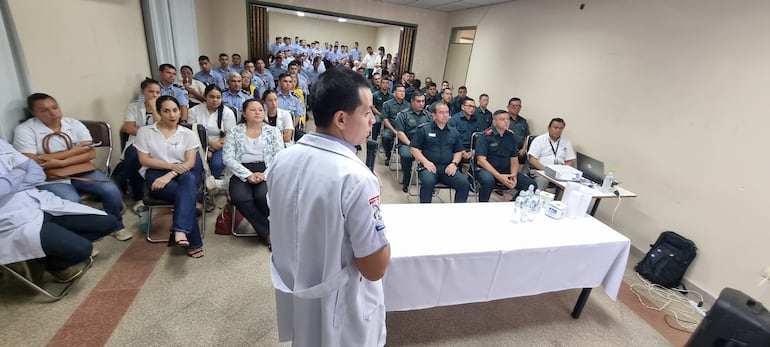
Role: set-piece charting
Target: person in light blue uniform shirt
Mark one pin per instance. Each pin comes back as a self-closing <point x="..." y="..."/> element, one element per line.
<point x="206" y="75"/>
<point x="355" y="54"/>
<point x="286" y="98"/>
<point x="315" y="70"/>
<point x="276" y="68"/>
<point x="236" y="65"/>
<point x="167" y="87"/>
<point x="301" y="79"/>
<point x="224" y="68"/>
<point x="276" y="47"/>
<point x="234" y="95"/>
<point x="263" y="79"/>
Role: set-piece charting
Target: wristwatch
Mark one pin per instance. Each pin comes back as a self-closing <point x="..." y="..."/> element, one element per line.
<point x="456" y="164"/>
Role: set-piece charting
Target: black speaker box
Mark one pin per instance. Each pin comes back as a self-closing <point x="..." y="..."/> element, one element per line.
<point x="736" y="320"/>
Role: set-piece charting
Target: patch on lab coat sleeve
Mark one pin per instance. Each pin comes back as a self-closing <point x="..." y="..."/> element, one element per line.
<point x="374" y="202"/>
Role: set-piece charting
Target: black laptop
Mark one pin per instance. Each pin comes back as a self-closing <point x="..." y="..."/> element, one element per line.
<point x="593" y="169"/>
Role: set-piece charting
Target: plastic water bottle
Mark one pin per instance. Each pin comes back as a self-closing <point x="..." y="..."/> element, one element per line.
<point x="144" y="219"/>
<point x="607" y="184"/>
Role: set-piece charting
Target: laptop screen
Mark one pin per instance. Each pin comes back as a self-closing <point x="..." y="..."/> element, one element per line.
<point x="592" y="169"/>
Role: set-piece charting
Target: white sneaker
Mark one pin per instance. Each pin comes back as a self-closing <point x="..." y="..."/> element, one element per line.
<point x="123" y="234"/>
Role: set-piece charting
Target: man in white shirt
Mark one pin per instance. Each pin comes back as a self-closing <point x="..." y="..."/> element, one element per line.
<point x="329" y="255"/>
<point x="551" y="148"/>
<point x="368" y="61"/>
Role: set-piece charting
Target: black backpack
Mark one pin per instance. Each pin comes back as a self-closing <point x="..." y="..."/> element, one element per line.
<point x="667" y="260"/>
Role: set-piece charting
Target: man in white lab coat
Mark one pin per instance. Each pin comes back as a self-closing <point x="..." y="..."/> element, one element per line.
<point x="329" y="244"/>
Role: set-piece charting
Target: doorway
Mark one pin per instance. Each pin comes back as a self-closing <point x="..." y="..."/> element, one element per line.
<point x="459" y="55"/>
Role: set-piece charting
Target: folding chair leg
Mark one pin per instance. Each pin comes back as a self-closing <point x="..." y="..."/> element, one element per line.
<point x="232" y="228"/>
<point x="41" y="290"/>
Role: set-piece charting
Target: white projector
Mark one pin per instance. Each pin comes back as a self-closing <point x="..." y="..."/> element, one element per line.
<point x="563" y="173"/>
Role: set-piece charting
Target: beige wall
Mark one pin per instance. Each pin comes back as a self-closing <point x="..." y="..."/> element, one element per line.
<point x="673" y="95"/>
<point x="432" y="32"/>
<point x="313" y="29"/>
<point x="221" y="28"/>
<point x="89" y="55"/>
<point x="388" y="37"/>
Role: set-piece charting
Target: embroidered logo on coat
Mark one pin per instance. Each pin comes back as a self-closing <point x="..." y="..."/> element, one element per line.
<point x="374" y="202"/>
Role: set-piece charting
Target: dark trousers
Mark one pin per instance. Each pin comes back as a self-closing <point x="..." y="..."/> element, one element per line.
<point x="406" y="164"/>
<point x="131" y="168"/>
<point x="376" y="127"/>
<point x="487" y="183"/>
<point x="428" y="180"/>
<point x="251" y="200"/>
<point x="66" y="240"/>
<point x="183" y="191"/>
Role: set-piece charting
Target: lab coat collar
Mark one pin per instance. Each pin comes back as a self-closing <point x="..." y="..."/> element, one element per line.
<point x="317" y="141"/>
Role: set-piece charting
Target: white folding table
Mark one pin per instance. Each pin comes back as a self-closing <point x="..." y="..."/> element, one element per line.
<point x="449" y="254"/>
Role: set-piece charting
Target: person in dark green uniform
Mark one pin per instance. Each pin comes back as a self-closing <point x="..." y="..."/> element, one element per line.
<point x="519" y="126"/>
<point x="483" y="112"/>
<point x="438" y="150"/>
<point x="407" y="123"/>
<point x="466" y="124"/>
<point x="390" y="109"/>
<point x="431" y="94"/>
<point x="380" y="96"/>
<point x="497" y="158"/>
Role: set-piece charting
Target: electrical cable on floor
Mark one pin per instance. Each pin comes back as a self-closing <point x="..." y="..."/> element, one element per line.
<point x="670" y="301"/>
<point x="612" y="220"/>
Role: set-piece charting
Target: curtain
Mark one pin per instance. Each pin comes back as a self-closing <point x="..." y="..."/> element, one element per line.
<point x="258" y="31"/>
<point x="406" y="49"/>
<point x="171" y="30"/>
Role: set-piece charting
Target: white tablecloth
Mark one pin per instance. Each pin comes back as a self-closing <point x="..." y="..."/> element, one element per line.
<point x="448" y="254"/>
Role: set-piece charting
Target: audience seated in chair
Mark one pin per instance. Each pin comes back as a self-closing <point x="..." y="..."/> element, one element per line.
<point x="278" y="117"/>
<point x="466" y="122"/>
<point x="498" y="159"/>
<point x="218" y="120"/>
<point x="140" y="113"/>
<point x="390" y="109"/>
<point x="551" y="148"/>
<point x="249" y="150"/>
<point x="407" y="123"/>
<point x="438" y="150"/>
<point x="172" y="171"/>
<point x="38" y="224"/>
<point x="29" y="138"/>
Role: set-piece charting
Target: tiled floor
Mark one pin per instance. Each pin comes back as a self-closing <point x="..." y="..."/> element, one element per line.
<point x="139" y="293"/>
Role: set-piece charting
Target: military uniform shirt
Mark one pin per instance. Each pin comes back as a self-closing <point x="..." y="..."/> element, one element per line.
<point x="391" y="109"/>
<point x="485" y="116"/>
<point x="437" y="145"/>
<point x="498" y="149"/>
<point x="466" y="127"/>
<point x="379" y="99"/>
<point x="520" y="130"/>
<point x="409" y="121"/>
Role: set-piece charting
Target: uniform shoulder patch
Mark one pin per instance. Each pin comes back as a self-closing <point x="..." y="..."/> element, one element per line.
<point x="488" y="132"/>
<point x="374" y="203"/>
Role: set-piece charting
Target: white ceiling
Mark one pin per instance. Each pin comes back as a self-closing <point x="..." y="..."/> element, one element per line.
<point x="323" y="17"/>
<point x="446" y="5"/>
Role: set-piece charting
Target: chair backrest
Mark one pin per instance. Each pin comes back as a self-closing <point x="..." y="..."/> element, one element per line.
<point x="101" y="132"/>
<point x="474" y="164"/>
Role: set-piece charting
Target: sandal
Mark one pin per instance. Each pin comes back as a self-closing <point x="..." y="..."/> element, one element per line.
<point x="172" y="241"/>
<point x="138" y="207"/>
<point x="197" y="253"/>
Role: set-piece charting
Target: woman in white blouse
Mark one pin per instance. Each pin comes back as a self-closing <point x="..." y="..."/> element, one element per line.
<point x="140" y="113"/>
<point x="249" y="151"/>
<point x="218" y="120"/>
<point x="277" y="117"/>
<point x="172" y="170"/>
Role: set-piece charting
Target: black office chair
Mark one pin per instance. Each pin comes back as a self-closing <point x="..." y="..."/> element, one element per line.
<point x="101" y="133"/>
<point x="153" y="203"/>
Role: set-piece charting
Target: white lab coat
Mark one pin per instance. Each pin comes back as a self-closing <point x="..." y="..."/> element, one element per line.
<point x="324" y="211"/>
<point x="21" y="212"/>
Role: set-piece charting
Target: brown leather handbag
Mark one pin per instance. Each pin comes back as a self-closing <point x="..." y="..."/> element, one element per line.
<point x="68" y="171"/>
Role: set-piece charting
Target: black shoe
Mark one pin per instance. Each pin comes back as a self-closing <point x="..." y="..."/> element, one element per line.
<point x="387" y="162"/>
<point x="498" y="192"/>
<point x="405" y="189"/>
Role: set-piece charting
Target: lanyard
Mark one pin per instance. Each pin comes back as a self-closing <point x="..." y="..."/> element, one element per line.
<point x="554" y="150"/>
<point x="147" y="119"/>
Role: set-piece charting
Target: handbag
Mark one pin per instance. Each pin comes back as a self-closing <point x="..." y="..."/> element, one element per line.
<point x="67" y="171"/>
<point x="225" y="220"/>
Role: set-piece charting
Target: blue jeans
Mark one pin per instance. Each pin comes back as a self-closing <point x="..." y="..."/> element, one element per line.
<point x="131" y="167"/>
<point x="66" y="240"/>
<point x="183" y="191"/>
<point x="105" y="190"/>
<point x="217" y="164"/>
<point x="428" y="180"/>
<point x="406" y="164"/>
<point x="487" y="183"/>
